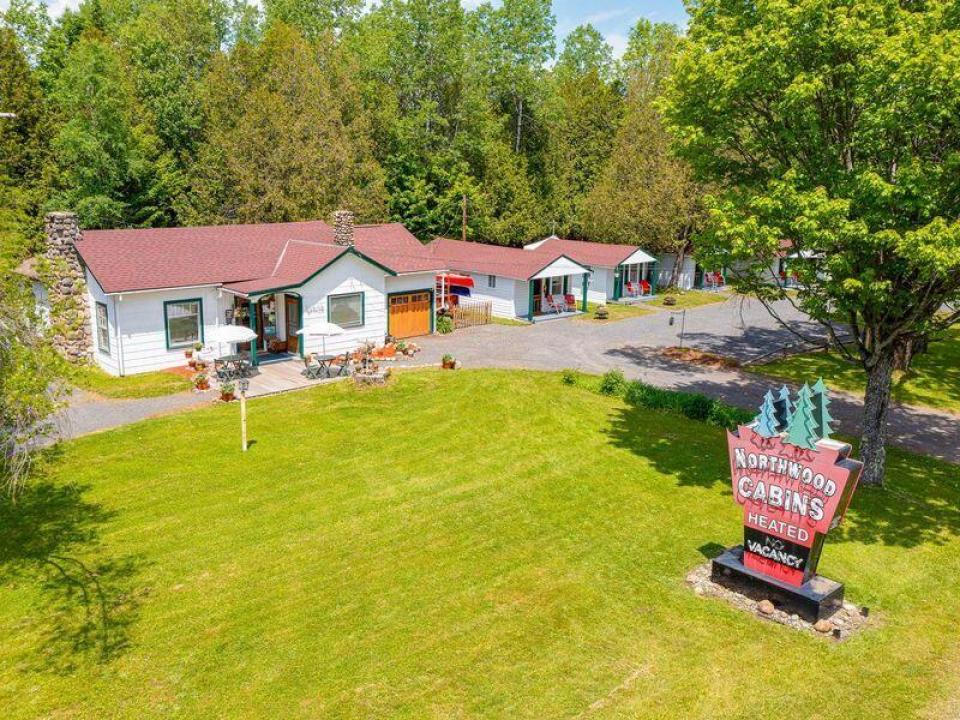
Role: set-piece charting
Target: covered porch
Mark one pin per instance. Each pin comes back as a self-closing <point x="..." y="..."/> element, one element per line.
<point x="550" y="291"/>
<point x="635" y="278"/>
<point x="275" y="317"/>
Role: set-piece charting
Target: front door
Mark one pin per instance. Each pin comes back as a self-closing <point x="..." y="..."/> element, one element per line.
<point x="292" y="308"/>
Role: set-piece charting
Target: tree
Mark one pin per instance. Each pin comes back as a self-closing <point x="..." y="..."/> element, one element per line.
<point x="285" y="138"/>
<point x="581" y="115"/>
<point x="802" y="428"/>
<point x="105" y="164"/>
<point x="30" y="22"/>
<point x="646" y="195"/>
<point x="313" y="18"/>
<point x="22" y="138"/>
<point x="767" y="425"/>
<point x="821" y="409"/>
<point x="836" y="127"/>
<point x="783" y="409"/>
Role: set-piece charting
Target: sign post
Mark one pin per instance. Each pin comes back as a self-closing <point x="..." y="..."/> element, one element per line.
<point x="794" y="484"/>
<point x="244" y="386"/>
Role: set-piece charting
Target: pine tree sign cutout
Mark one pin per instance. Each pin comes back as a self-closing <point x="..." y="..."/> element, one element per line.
<point x="766" y="422"/>
<point x="783" y="408"/>
<point x="802" y="430"/>
<point x="821" y="409"/>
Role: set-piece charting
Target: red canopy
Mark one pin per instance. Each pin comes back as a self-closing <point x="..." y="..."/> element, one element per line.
<point x="459" y="280"/>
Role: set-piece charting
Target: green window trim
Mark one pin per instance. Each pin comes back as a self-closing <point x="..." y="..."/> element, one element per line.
<point x="103" y="332"/>
<point x="166" y="323"/>
<point x="363" y="308"/>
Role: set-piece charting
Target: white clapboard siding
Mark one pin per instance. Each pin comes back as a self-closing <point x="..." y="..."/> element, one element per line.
<point x="349" y="274"/>
<point x="109" y="362"/>
<point x="600" y="288"/>
<point x="687" y="272"/>
<point x="503" y="296"/>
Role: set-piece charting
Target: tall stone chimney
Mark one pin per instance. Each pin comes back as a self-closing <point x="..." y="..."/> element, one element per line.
<point x="70" y="329"/>
<point x="343" y="227"/>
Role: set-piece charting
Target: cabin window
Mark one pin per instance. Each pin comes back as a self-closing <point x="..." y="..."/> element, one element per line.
<point x="103" y="329"/>
<point x="346" y="310"/>
<point x="491" y="281"/>
<point x="184" y="322"/>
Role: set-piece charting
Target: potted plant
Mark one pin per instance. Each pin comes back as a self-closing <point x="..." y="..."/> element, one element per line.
<point x="402" y="347"/>
<point x="188" y="353"/>
<point x="449" y="362"/>
<point x="601" y="313"/>
<point x="201" y="381"/>
<point x="227" y="390"/>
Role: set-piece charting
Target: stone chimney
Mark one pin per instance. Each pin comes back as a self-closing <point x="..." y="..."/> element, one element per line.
<point x="66" y="283"/>
<point x="343" y="228"/>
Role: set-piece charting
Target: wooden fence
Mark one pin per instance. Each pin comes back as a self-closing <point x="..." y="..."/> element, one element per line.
<point x="472" y="312"/>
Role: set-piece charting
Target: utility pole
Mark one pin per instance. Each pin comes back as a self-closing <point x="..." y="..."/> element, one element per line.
<point x="463" y="226"/>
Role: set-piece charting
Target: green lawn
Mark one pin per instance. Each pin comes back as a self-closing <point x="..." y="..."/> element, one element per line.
<point x="933" y="381"/>
<point x="475" y="544"/>
<point x="143" y="385"/>
<point x="497" y="320"/>
<point x="616" y="312"/>
<point x="689" y="299"/>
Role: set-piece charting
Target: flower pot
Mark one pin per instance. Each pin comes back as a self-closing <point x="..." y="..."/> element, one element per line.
<point x="449" y="364"/>
<point x="227" y="397"/>
<point x="202" y="385"/>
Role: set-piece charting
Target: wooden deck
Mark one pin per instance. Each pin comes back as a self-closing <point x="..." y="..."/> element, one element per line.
<point x="279" y="376"/>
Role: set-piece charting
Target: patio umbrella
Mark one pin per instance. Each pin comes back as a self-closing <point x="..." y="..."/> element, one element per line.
<point x="321" y="328"/>
<point x="231" y="334"/>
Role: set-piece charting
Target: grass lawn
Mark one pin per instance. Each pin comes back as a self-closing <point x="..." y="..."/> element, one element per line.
<point x="690" y="299"/>
<point x="616" y="312"/>
<point x="144" y="385"/>
<point x="457" y="545"/>
<point x="933" y="381"/>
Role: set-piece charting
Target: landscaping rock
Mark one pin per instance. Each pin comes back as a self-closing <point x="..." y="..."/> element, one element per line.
<point x="846" y="620"/>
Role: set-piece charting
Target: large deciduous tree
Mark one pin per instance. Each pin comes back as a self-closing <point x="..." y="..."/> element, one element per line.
<point x="837" y="124"/>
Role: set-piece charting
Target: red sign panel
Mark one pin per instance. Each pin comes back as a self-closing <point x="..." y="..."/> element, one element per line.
<point x="791" y="498"/>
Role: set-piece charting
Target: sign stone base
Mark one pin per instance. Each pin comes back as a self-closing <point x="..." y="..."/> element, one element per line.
<point x="817" y="598"/>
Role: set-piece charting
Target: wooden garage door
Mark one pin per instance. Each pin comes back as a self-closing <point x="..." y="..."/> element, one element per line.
<point x="410" y="314"/>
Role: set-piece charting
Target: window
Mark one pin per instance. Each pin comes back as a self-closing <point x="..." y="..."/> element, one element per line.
<point x="184" y="322"/>
<point x="346" y="310"/>
<point x="491" y="281"/>
<point x="554" y="286"/>
<point x="103" y="329"/>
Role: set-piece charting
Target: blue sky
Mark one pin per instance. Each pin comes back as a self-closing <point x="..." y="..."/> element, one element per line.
<point x="613" y="18"/>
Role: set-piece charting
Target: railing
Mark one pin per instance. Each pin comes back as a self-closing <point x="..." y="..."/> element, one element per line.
<point x="468" y="313"/>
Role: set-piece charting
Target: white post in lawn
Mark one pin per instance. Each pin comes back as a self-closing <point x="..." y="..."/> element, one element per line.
<point x="244" y="384"/>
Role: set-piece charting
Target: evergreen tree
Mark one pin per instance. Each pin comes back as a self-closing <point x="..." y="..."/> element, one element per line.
<point x="802" y="430"/>
<point x="821" y="411"/>
<point x="783" y="408"/>
<point x="766" y="421"/>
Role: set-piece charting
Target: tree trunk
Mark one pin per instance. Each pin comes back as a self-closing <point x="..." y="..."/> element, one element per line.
<point x="678" y="264"/>
<point x="903" y="358"/>
<point x="876" y="403"/>
<point x="519" y="122"/>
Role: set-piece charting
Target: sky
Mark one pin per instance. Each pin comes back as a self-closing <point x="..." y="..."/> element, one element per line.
<point x="613" y="18"/>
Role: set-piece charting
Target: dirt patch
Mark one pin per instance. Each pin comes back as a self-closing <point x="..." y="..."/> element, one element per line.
<point x="701" y="358"/>
<point x="184" y="371"/>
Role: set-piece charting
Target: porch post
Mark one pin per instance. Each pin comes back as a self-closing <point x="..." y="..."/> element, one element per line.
<point x="586" y="282"/>
<point x="566" y="284"/>
<point x="530" y="300"/>
<point x="617" y="282"/>
<point x="253" y="326"/>
<point x="300" y="324"/>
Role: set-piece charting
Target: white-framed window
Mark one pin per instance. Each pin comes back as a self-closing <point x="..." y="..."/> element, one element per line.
<point x="491" y="281"/>
<point x="103" y="329"/>
<point x="183" y="320"/>
<point x="553" y="286"/>
<point x="346" y="310"/>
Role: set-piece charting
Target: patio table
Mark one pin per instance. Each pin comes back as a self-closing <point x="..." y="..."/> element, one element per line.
<point x="325" y="362"/>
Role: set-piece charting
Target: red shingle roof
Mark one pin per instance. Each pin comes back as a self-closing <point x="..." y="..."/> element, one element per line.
<point x="253" y="257"/>
<point x="492" y="259"/>
<point x="589" y="253"/>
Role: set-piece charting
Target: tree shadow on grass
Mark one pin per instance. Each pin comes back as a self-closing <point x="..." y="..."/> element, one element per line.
<point x="920" y="504"/>
<point x="49" y="537"/>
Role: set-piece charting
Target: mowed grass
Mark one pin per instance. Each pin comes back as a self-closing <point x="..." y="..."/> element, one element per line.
<point x="933" y="381"/>
<point x="142" y="385"/>
<point x="615" y="312"/>
<point x="688" y="299"/>
<point x="477" y="544"/>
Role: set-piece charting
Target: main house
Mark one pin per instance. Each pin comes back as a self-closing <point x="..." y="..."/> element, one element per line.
<point x="149" y="294"/>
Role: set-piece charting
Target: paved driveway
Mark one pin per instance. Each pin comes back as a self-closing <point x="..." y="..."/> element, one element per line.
<point x="738" y="328"/>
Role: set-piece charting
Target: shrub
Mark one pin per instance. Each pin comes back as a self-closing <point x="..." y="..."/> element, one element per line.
<point x="444" y="324"/>
<point x="692" y="405"/>
<point x="569" y="377"/>
<point x="613" y="383"/>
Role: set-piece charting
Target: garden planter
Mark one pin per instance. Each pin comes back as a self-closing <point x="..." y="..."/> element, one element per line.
<point x="227" y="397"/>
<point x="449" y="364"/>
<point x="202" y="385"/>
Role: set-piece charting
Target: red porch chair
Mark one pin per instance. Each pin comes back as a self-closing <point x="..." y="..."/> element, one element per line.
<point x="645" y="288"/>
<point x="570" y="301"/>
